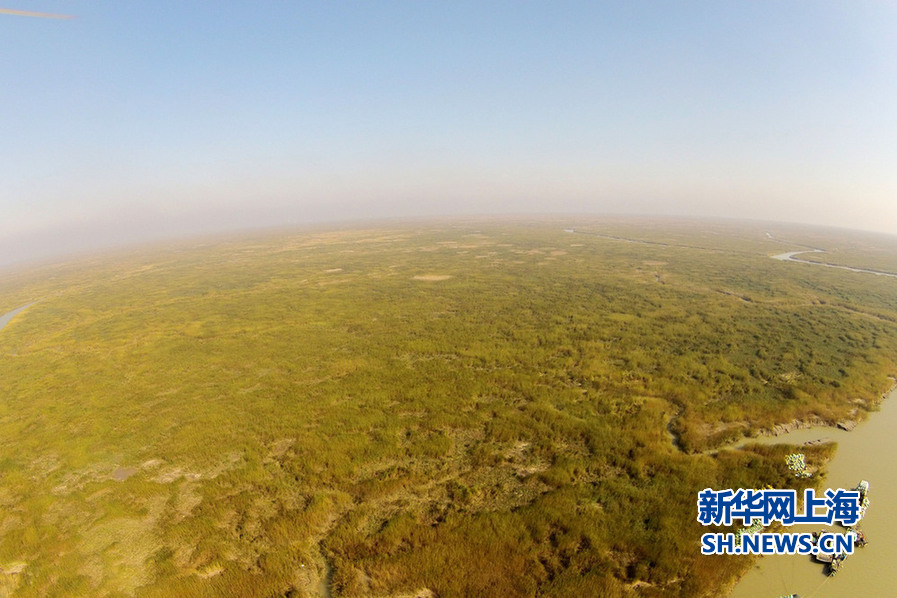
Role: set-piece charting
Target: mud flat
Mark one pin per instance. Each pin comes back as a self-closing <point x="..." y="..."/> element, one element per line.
<point x="866" y="453"/>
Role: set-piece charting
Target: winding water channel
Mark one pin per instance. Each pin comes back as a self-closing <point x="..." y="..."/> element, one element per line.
<point x="7" y="317"/>
<point x="790" y="257"/>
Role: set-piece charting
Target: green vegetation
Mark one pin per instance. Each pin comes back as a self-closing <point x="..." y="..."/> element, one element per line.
<point x="469" y="409"/>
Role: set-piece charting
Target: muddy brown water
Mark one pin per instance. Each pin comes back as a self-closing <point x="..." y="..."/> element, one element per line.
<point x="866" y="453"/>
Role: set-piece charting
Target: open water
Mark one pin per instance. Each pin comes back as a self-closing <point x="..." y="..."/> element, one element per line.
<point x="866" y="453"/>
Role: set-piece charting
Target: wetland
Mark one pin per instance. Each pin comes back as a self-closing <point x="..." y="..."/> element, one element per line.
<point x="380" y="411"/>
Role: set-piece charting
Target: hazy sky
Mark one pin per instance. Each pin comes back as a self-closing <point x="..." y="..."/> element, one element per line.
<point x="143" y="118"/>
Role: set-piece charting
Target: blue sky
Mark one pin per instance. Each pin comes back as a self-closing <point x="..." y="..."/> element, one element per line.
<point x="144" y="119"/>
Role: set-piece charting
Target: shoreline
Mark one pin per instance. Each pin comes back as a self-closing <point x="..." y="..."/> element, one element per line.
<point x="850" y="459"/>
<point x="846" y="425"/>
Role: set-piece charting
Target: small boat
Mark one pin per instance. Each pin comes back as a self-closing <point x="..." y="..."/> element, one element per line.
<point x="835" y="565"/>
<point x="833" y="562"/>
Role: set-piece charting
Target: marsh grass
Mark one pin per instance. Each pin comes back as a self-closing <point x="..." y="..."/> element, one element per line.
<point x="480" y="408"/>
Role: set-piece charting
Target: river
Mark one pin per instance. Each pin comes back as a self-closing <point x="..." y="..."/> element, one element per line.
<point x="866" y="453"/>
<point x="789" y="257"/>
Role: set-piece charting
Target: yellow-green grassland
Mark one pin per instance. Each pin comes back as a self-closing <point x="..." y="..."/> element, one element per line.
<point x="469" y="408"/>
